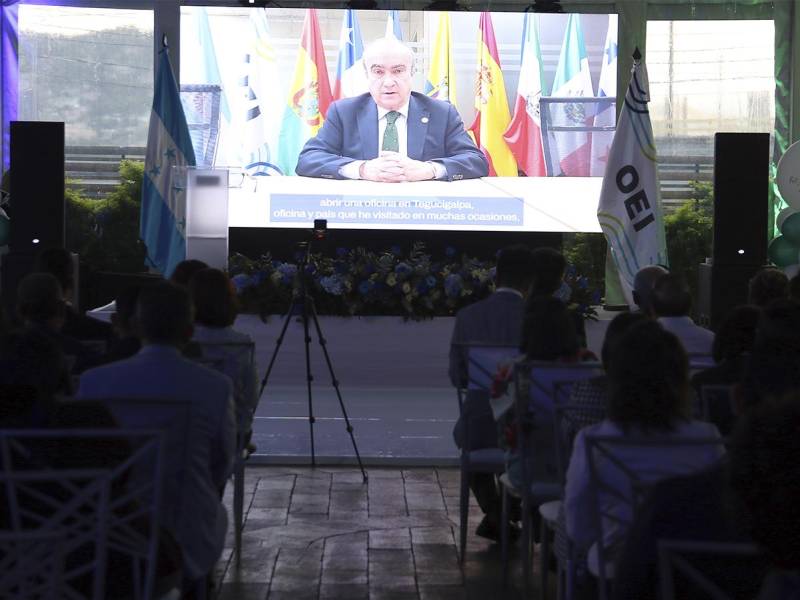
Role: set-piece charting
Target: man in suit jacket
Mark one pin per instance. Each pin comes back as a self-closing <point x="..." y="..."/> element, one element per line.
<point x="194" y="476"/>
<point x="495" y="320"/>
<point x="391" y="134"/>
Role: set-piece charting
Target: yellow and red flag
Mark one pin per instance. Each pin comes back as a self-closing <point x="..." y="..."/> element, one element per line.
<point x="309" y="96"/>
<point x="492" y="116"/>
<point x="441" y="81"/>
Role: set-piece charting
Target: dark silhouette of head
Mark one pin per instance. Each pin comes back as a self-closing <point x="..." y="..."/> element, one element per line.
<point x="765" y="477"/>
<point x="164" y="314"/>
<point x="648" y="379"/>
<point x="548" y="330"/>
<point x="185" y="270"/>
<point x="736" y="334"/>
<point x="57" y="262"/>
<point x="548" y="268"/>
<point x="214" y="298"/>
<point x="515" y="268"/>
<point x="671" y="296"/>
<point x="767" y="285"/>
<point x="40" y="300"/>
<point x="618" y="326"/>
<point x="643" y="283"/>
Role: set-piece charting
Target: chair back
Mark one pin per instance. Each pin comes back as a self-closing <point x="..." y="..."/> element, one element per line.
<point x="718" y="406"/>
<point x="699" y="362"/>
<point x="104" y="519"/>
<point x="570" y="417"/>
<point x="703" y="567"/>
<point x="622" y="469"/>
<point x="483" y="361"/>
<point x="535" y="403"/>
<point x="237" y="361"/>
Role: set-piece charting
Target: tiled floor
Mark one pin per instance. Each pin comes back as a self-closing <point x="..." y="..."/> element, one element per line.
<point x="323" y="533"/>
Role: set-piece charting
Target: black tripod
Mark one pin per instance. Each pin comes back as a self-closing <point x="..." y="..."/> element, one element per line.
<point x="303" y="304"/>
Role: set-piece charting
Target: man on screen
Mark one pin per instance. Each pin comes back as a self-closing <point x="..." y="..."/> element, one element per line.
<point x="391" y="134"/>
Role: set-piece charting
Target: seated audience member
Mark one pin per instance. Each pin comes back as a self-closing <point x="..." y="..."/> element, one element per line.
<point x="731" y="349"/>
<point x="794" y="288"/>
<point x="767" y="285"/>
<point x="123" y="319"/>
<point x="185" y="270"/>
<point x="58" y="262"/>
<point x="494" y="320"/>
<point x="40" y="306"/>
<point x="548" y="335"/>
<point x="765" y="477"/>
<point x="193" y="511"/>
<point x="643" y="283"/>
<point x="216" y="308"/>
<point x="591" y="395"/>
<point x="648" y="397"/>
<point x="773" y="369"/>
<point x="672" y="303"/>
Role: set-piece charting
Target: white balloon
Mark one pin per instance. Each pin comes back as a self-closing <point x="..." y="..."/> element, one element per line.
<point x="783" y="215"/>
<point x="788" y="176"/>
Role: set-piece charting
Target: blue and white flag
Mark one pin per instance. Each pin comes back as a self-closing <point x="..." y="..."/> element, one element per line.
<point x="393" y="25"/>
<point x="351" y="77"/>
<point x="163" y="218"/>
<point x="629" y="211"/>
<point x="606" y="114"/>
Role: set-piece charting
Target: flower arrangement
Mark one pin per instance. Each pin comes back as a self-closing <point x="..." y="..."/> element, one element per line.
<point x="360" y="282"/>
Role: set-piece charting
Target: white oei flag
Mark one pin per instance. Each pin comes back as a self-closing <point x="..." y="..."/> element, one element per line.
<point x="629" y="211"/>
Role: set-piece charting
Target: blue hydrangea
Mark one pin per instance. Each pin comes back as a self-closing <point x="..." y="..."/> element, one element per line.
<point x="431" y="281"/>
<point x="453" y="285"/>
<point x="402" y="269"/>
<point x="365" y="287"/>
<point x="583" y="283"/>
<point x="241" y="282"/>
<point x="341" y="252"/>
<point x="396" y="250"/>
<point x="449" y="251"/>
<point x="259" y="277"/>
<point x="570" y="271"/>
<point x="596" y="297"/>
<point x="332" y="284"/>
<point x="287" y="271"/>
<point x="493" y="272"/>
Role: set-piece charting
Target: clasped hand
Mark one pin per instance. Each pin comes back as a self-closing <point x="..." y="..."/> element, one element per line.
<point x="394" y="167"/>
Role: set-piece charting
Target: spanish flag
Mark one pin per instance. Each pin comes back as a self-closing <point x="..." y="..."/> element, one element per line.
<point x="492" y="116"/>
<point x="441" y="80"/>
<point x="309" y="96"/>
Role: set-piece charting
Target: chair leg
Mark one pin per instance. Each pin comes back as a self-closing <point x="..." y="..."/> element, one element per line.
<point x="544" y="556"/>
<point x="504" y="533"/>
<point x="238" y="505"/>
<point x="527" y="536"/>
<point x="463" y="513"/>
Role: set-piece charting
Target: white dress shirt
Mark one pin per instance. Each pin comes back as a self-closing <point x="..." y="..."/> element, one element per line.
<point x="351" y="170"/>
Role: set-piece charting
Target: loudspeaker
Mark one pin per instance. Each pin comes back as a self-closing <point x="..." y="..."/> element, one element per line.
<point x="741" y="186"/>
<point x="37" y="186"/>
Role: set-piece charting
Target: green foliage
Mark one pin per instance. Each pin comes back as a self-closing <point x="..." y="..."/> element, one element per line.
<point x="587" y="253"/>
<point x="688" y="234"/>
<point x="105" y="233"/>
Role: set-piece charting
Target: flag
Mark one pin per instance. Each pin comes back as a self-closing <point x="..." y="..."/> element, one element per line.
<point x="491" y="105"/>
<point x="209" y="64"/>
<point x="441" y="80"/>
<point x="524" y="134"/>
<point x="606" y="114"/>
<point x="393" y="25"/>
<point x="163" y="215"/>
<point x="309" y="96"/>
<point x="351" y="78"/>
<point x="572" y="79"/>
<point x="256" y="100"/>
<point x="629" y="211"/>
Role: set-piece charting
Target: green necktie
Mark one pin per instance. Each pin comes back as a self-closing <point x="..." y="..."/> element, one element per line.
<point x="390" y="133"/>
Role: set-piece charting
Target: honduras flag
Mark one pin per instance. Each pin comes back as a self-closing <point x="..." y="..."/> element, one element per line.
<point x="163" y="217"/>
<point x="351" y="78"/>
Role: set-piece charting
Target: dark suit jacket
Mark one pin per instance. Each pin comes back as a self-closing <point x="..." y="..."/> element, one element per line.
<point x="350" y="132"/>
<point x="495" y="320"/>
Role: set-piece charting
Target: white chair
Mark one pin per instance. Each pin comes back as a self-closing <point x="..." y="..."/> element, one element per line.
<point x="237" y="361"/>
<point x="680" y="557"/>
<point x="104" y="517"/>
<point x="535" y="403"/>
<point x="620" y="476"/>
<point x="482" y="364"/>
